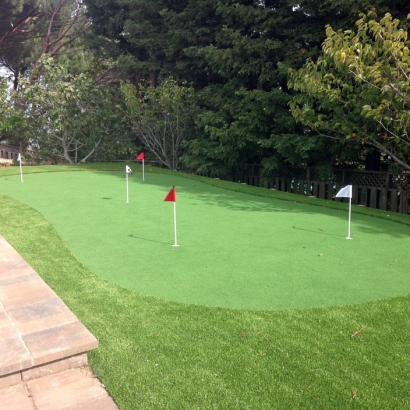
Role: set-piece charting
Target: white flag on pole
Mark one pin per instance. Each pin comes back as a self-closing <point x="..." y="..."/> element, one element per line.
<point x="128" y="171"/>
<point x="345" y="192"/>
<point x="21" y="169"/>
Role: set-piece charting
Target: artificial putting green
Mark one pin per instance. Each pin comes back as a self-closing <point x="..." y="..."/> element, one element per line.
<point x="236" y="250"/>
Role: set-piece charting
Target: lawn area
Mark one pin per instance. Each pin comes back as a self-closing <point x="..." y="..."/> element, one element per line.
<point x="168" y="346"/>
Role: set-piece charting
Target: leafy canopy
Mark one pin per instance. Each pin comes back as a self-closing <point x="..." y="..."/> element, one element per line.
<point x="10" y="119"/>
<point x="161" y="117"/>
<point x="359" y="88"/>
<point x="69" y="116"/>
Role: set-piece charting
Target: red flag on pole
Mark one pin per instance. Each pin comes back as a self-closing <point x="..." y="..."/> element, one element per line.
<point x="141" y="157"/>
<point x="171" y="196"/>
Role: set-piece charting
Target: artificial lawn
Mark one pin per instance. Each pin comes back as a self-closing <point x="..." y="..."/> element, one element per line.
<point x="237" y="250"/>
<point x="159" y="354"/>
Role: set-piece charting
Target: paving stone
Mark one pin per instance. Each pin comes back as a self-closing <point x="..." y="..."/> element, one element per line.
<point x="101" y="404"/>
<point x="80" y="360"/>
<point x="13" y="354"/>
<point x="26" y="293"/>
<point x="8" y="254"/>
<point x="10" y="380"/>
<point x="34" y="311"/>
<point x="9" y="332"/>
<point x="4" y="318"/>
<point x="45" y="323"/>
<point x="9" y="269"/>
<point x="58" y="342"/>
<point x="41" y="341"/>
<point x="15" y="398"/>
<point x="66" y="389"/>
<point x="3" y="242"/>
<point x="18" y="279"/>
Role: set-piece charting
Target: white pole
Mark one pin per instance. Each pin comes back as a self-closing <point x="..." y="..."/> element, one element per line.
<point x="143" y="172"/>
<point x="175" y="224"/>
<point x="350" y="216"/>
<point x="126" y="177"/>
<point x="21" y="170"/>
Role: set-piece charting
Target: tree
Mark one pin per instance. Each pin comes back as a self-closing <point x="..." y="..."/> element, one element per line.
<point x="15" y="17"/>
<point x="358" y="91"/>
<point x="138" y="31"/>
<point x="36" y="28"/>
<point x="70" y="117"/>
<point x="245" y="116"/>
<point x="161" y="117"/>
<point x="19" y="19"/>
<point x="236" y="54"/>
<point x="10" y="119"/>
<point x="245" y="107"/>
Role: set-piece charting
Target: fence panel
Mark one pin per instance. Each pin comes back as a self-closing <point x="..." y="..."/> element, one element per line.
<point x="375" y="189"/>
<point x="393" y="200"/>
<point x="404" y="201"/>
<point x="383" y="199"/>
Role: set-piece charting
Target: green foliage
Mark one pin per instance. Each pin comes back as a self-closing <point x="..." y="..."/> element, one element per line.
<point x="233" y="120"/>
<point x="236" y="55"/>
<point x="10" y="119"/>
<point x="358" y="90"/>
<point x="70" y="117"/>
<point x="245" y="116"/>
<point x="35" y="28"/>
<point x="161" y="117"/>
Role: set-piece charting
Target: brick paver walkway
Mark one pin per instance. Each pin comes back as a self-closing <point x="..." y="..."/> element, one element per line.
<point x="43" y="346"/>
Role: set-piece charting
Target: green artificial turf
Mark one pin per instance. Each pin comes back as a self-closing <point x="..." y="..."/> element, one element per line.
<point x="237" y="250"/>
<point x="157" y="354"/>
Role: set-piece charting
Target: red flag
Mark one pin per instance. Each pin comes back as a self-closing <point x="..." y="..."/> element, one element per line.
<point x="141" y="157"/>
<point x="172" y="196"/>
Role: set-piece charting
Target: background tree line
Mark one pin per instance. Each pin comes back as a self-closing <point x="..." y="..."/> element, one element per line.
<point x="203" y="84"/>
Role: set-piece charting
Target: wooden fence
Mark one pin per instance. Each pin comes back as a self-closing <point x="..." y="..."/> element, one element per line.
<point x="8" y="152"/>
<point x="381" y="190"/>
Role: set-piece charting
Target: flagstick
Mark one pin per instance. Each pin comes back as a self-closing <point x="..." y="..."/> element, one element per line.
<point x="143" y="173"/>
<point x="350" y="216"/>
<point x="126" y="176"/>
<point x="21" y="171"/>
<point x="175" y="224"/>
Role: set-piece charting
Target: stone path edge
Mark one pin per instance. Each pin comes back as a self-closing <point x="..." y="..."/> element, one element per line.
<point x="43" y="345"/>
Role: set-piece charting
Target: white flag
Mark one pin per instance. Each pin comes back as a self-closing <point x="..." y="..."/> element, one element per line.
<point x="19" y="158"/>
<point x="128" y="170"/>
<point x="345" y="192"/>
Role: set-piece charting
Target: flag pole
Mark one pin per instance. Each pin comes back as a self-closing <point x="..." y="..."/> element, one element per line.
<point x="141" y="157"/>
<point x="175" y="224"/>
<point x="126" y="178"/>
<point x="350" y="217"/>
<point x="171" y="197"/>
<point x="346" y="192"/>
<point x="21" y="169"/>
